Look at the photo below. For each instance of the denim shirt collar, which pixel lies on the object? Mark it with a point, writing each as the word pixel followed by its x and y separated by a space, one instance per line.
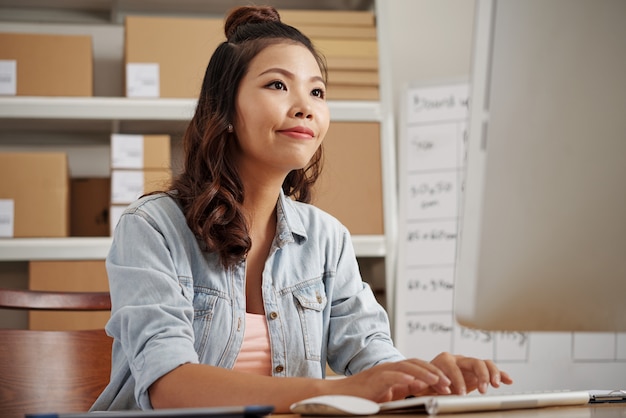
pixel 289 224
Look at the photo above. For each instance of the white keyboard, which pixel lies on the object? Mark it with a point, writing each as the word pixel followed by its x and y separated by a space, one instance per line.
pixel 434 405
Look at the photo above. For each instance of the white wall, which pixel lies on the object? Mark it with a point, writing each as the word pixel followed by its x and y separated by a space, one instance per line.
pixel 429 40
pixel 419 41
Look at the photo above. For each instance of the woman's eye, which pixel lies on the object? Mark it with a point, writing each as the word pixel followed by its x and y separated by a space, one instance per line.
pixel 319 93
pixel 278 85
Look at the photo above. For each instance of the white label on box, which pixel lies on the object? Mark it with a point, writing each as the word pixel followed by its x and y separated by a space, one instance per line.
pixel 7 218
pixel 8 77
pixel 126 151
pixel 126 186
pixel 142 80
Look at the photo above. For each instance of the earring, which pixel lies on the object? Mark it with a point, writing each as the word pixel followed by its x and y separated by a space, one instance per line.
pixel 230 128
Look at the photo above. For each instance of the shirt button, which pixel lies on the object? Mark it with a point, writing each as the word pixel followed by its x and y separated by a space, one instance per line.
pixel 273 315
pixel 279 369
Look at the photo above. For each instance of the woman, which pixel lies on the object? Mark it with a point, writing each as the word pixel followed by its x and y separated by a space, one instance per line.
pixel 230 289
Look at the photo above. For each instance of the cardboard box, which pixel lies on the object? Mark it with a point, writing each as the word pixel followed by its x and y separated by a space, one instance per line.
pixel 345 18
pixel 348 41
pixel 352 63
pixel 140 151
pixel 318 30
pixel 354 78
pixel 38 186
pixel 89 210
pixel 357 48
pixel 344 92
pixel 167 56
pixel 70 276
pixel 350 187
pixel 47 65
pixel 128 185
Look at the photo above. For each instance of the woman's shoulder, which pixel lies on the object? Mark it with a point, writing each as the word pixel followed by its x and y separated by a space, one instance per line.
pixel 157 207
pixel 155 202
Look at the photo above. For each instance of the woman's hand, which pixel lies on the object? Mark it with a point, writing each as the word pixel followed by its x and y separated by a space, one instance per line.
pixel 467 374
pixel 391 381
pixel 446 374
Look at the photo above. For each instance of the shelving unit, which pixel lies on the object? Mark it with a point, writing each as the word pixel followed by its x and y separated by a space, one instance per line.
pixel 115 111
pixel 96 248
pixel 42 121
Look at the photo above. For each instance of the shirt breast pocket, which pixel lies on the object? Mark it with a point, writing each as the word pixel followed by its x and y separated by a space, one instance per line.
pixel 310 302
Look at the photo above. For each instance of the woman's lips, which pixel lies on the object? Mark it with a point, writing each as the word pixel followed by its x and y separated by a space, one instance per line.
pixel 298 132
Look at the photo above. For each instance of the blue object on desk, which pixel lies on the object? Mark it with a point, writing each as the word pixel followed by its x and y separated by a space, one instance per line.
pixel 251 411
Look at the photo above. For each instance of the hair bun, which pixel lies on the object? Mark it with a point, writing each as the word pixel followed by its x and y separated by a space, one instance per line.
pixel 248 14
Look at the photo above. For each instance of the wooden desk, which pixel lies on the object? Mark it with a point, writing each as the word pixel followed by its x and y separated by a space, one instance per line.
pixel 607 410
pixel 586 411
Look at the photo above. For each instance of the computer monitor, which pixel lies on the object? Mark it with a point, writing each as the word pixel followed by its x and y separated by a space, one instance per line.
pixel 542 240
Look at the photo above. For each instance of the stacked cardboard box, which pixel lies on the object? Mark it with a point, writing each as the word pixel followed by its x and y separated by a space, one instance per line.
pixel 46 65
pixel 34 194
pixel 348 40
pixel 167 56
pixel 140 164
pixel 69 276
pixel 350 187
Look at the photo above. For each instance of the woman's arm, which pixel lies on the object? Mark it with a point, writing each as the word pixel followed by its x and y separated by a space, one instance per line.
pixel 198 385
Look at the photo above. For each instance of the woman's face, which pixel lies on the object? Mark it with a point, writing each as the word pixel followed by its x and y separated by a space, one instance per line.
pixel 281 111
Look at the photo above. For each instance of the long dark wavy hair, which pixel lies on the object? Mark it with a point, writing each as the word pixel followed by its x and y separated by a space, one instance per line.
pixel 209 189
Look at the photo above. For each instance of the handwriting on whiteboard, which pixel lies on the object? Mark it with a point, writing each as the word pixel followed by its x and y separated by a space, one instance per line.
pixel 431 182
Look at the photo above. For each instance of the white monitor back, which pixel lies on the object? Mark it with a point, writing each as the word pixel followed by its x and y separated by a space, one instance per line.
pixel 543 227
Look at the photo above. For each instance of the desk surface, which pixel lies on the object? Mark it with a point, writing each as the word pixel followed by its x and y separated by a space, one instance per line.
pixel 586 411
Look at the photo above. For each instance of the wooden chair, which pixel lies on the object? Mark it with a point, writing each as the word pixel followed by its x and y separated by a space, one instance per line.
pixel 52 371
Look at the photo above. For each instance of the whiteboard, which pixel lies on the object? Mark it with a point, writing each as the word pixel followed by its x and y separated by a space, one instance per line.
pixel 431 158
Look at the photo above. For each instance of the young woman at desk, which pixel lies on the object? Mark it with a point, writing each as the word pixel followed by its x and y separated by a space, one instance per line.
pixel 230 289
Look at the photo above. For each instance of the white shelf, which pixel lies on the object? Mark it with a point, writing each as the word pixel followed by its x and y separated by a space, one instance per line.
pixel 129 109
pixel 78 248
pixel 95 108
pixel 369 245
pixel 73 248
pixel 355 111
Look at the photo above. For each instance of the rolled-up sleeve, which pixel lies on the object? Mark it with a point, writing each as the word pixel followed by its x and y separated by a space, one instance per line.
pixel 151 316
pixel 359 335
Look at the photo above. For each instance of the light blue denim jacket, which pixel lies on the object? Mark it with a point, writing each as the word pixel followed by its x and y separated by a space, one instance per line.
pixel 174 303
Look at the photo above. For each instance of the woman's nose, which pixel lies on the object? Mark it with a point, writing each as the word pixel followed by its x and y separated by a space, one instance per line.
pixel 304 114
pixel 302 109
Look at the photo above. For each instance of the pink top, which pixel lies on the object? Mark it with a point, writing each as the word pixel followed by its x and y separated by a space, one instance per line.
pixel 255 356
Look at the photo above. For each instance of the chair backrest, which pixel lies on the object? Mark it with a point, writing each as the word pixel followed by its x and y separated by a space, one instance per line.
pixel 52 371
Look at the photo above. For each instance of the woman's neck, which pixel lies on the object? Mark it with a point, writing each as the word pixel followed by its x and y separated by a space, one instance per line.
pixel 261 191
